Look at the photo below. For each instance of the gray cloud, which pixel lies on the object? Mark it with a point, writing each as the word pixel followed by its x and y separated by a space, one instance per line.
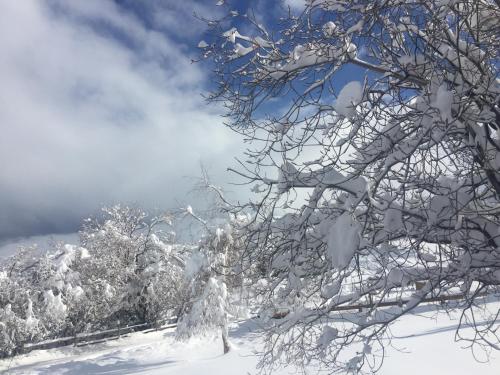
pixel 96 108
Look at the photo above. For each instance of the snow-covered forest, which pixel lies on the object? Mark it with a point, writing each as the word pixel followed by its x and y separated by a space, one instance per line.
pixel 372 178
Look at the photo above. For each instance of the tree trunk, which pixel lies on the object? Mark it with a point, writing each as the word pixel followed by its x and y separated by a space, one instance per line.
pixel 225 341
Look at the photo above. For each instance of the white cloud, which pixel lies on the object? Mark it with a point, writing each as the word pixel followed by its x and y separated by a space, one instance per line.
pixel 95 107
pixel 296 5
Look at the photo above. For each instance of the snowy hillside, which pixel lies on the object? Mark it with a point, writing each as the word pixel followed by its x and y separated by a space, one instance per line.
pixel 423 345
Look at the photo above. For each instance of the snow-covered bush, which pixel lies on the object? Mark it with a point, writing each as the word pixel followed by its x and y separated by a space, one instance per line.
pixel 375 160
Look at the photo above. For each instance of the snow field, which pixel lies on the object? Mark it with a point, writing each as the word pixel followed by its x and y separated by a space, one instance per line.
pixel 423 344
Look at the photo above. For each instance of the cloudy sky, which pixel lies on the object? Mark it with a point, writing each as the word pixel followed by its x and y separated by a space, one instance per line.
pixel 99 104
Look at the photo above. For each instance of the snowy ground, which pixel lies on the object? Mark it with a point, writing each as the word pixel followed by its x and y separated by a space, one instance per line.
pixel 425 346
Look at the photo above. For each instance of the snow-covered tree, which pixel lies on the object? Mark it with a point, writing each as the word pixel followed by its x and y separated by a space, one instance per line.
pixel 207 312
pixel 206 305
pixel 213 272
pixel 44 290
pixel 20 321
pixel 126 272
pixel 133 264
pixel 375 128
